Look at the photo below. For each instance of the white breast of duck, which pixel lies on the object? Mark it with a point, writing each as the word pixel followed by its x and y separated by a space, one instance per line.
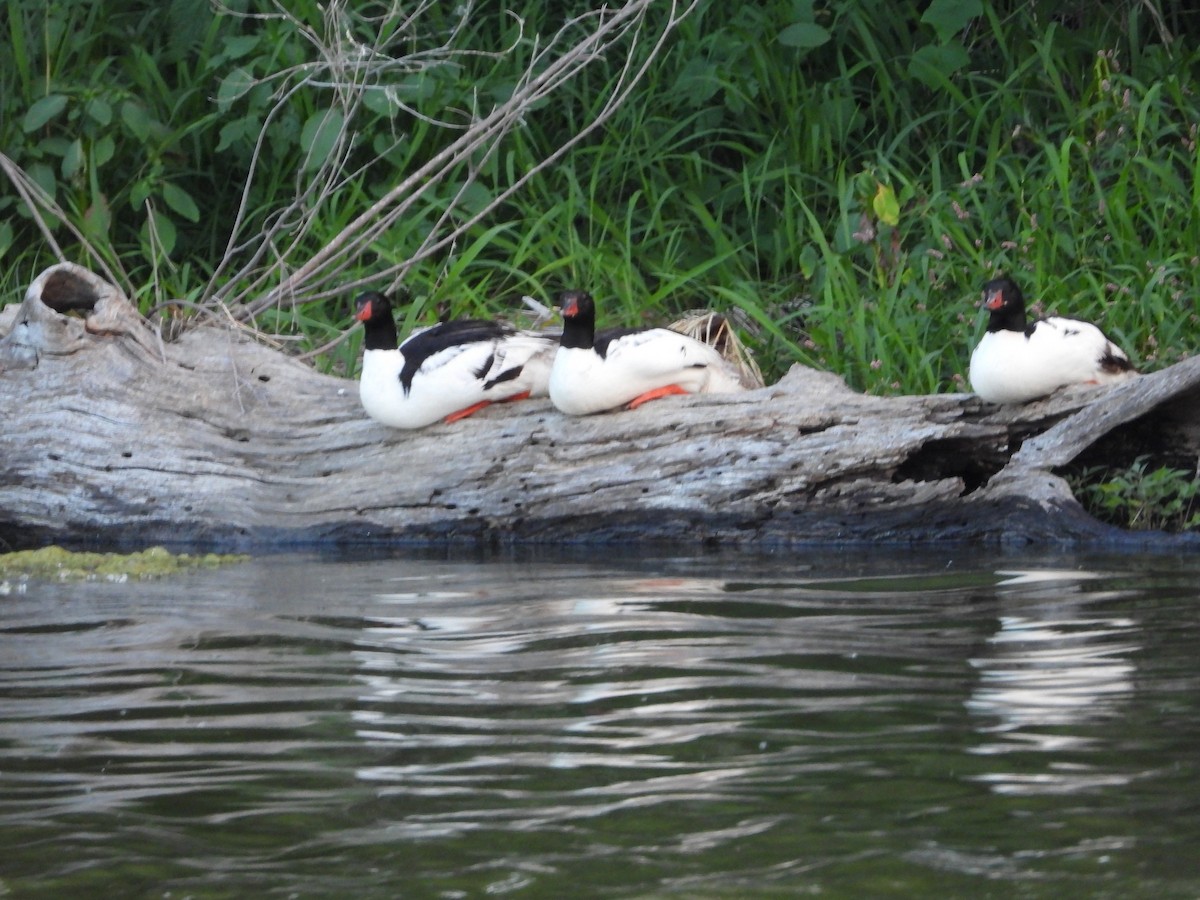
pixel 1016 362
pixel 619 367
pixel 447 371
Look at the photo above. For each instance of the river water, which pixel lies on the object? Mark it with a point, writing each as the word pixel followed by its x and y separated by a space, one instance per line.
pixel 607 724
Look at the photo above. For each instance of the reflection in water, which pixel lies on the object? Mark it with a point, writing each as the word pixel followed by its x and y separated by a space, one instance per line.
pixel 713 728
pixel 600 683
pixel 1049 674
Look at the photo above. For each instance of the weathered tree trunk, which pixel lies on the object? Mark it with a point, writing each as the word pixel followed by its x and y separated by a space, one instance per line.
pixel 112 435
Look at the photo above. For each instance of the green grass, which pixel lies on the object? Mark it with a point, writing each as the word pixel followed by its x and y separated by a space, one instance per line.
pixel 846 196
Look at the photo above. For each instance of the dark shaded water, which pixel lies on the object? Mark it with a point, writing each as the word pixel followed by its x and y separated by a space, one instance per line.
pixel 841 726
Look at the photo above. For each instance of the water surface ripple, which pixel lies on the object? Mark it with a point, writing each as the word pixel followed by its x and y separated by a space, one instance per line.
pixel 669 726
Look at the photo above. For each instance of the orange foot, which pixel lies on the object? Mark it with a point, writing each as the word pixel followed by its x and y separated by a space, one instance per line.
pixel 476 407
pixel 469 411
pixel 654 395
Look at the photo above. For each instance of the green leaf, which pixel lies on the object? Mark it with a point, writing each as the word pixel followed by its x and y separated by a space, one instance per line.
pixel 932 65
pixel 99 111
pixel 164 233
pixel 886 206
pixel 41 173
pixel 237 47
pixel 233 86
pixel 43 111
pixel 808 260
pixel 180 201
pixel 698 82
pixel 53 146
pixel 97 219
pixel 804 35
pixel 378 102
pixel 285 134
pixel 417 87
pixel 72 161
pixel 237 131
pixel 475 197
pixel 139 192
pixel 134 116
pixel 319 135
pixel 949 17
pixel 103 150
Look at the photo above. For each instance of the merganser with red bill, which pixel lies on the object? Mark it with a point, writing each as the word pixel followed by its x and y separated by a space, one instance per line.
pixel 1016 362
pixel 626 367
pixel 448 371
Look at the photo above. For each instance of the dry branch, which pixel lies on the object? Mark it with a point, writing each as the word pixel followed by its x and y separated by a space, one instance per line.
pixel 115 436
pixel 272 275
pixel 268 267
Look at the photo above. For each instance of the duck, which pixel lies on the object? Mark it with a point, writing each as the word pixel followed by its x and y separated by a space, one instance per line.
pixel 626 367
pixel 1016 362
pixel 448 371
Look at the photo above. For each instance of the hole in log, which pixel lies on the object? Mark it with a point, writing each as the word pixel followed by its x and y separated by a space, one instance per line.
pixel 1167 439
pixel 953 458
pixel 813 429
pixel 264 378
pixel 64 292
pixel 127 454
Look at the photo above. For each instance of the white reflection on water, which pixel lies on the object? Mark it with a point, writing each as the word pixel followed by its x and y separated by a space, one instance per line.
pixel 572 704
pixel 1047 675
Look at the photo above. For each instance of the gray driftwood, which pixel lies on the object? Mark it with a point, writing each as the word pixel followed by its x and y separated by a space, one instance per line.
pixel 113 435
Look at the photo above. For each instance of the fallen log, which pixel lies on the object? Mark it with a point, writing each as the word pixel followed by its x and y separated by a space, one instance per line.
pixel 116 436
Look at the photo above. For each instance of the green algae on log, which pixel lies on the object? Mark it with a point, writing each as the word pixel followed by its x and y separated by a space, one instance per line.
pixel 57 564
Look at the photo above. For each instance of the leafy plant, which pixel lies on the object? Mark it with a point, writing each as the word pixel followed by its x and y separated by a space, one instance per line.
pixel 840 176
pixel 1144 496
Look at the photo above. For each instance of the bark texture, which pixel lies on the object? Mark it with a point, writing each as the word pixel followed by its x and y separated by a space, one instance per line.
pixel 114 435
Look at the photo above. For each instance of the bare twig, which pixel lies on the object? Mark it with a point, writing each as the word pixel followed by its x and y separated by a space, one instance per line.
pixel 38 201
pixel 268 272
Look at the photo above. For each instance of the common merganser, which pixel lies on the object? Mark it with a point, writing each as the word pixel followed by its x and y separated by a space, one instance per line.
pixel 628 366
pixel 447 371
pixel 1015 362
